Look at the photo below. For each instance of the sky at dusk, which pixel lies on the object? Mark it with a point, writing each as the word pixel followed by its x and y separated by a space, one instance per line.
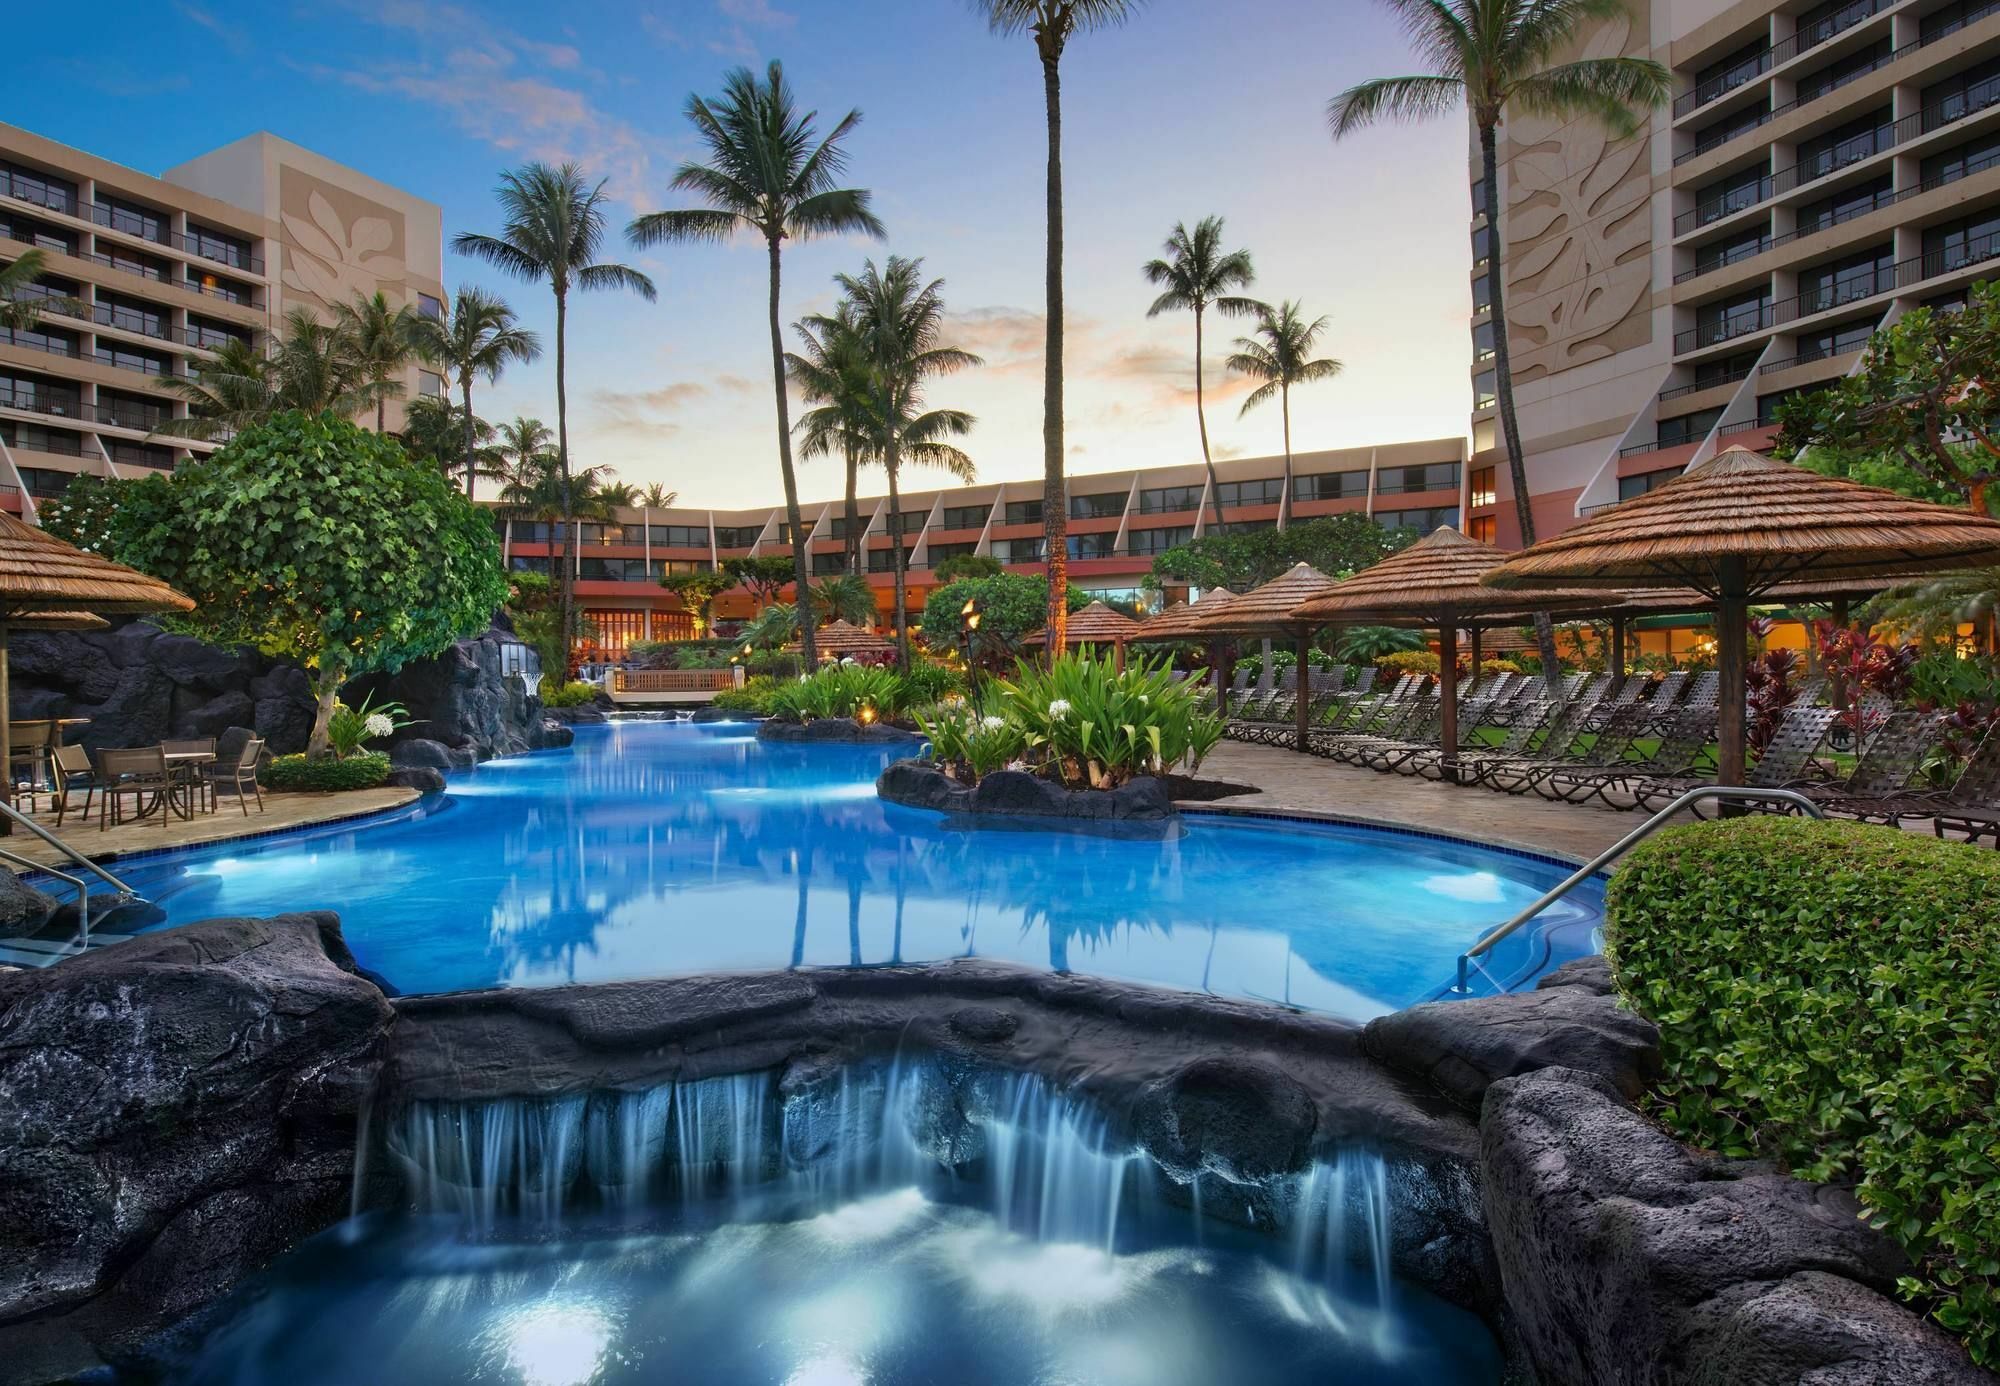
pixel 1195 108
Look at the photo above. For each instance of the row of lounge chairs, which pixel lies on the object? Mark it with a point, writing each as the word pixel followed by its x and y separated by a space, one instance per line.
pixel 1630 744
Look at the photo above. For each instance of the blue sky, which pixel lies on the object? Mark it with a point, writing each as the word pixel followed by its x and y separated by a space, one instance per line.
pixel 1194 108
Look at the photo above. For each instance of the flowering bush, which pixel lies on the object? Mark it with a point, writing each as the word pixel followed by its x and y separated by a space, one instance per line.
pixel 840 690
pixel 351 728
pixel 971 745
pixel 1768 691
pixel 1863 663
pixel 1409 662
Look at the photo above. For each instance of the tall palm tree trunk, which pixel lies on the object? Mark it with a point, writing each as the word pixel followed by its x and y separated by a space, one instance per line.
pixel 1201 418
pixel 808 651
pixel 1503 389
pixel 1285 408
pixel 471 471
pixel 890 463
pixel 853 513
pixel 381 412
pixel 565 586
pixel 1055 508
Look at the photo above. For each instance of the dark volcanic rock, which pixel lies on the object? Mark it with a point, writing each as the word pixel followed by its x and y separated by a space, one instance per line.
pixel 721 714
pixel 1015 793
pixel 23 909
pixel 174 1111
pixel 423 753
pixel 1462 1046
pixel 462 700
pixel 833 729
pixel 1244 1120
pixel 422 778
pixel 1627 1259
pixel 582 714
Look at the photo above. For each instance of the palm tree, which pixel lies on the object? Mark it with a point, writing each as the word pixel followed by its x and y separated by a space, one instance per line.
pixel 1494 55
pixel 20 311
pixel 435 430
pixel 899 321
pixel 1051 23
pixel 538 487
pixel 658 497
pixel 1198 274
pixel 845 598
pixel 830 374
pixel 311 367
pixel 552 232
pixel 767 173
pixel 622 495
pixel 1281 355
pixel 383 339
pixel 478 339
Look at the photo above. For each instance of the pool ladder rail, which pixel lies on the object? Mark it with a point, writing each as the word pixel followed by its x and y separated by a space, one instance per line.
pixel 1789 797
pixel 126 895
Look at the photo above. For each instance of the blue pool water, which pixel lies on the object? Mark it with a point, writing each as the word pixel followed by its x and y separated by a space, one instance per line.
pixel 651 849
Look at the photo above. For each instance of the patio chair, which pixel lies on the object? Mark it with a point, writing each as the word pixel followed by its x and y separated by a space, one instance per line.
pixel 187 776
pixel 70 769
pixel 27 761
pixel 239 776
pixel 140 773
pixel 1366 725
pixel 1877 791
pixel 1530 725
pixel 1560 746
pixel 1783 764
pixel 1416 734
pixel 1705 691
pixel 1631 689
pixel 1668 691
pixel 1972 804
pixel 1576 781
pixel 1683 748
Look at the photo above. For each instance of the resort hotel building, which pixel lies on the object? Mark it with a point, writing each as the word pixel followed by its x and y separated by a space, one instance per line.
pixel 1821 170
pixel 161 272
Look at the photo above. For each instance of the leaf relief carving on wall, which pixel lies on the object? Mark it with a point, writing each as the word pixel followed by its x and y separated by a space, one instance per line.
pixel 333 261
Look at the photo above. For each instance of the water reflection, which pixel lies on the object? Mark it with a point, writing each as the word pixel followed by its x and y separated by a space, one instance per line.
pixel 651 849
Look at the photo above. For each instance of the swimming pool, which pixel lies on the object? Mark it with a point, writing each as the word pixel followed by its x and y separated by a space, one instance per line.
pixel 651 849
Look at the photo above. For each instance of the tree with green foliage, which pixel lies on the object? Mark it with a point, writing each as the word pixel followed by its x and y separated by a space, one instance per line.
pixel 1337 545
pixel 698 591
pixel 832 377
pixel 435 430
pixel 310 539
pixel 847 597
pixel 1280 353
pixel 1196 274
pixel 478 339
pixel 1366 644
pixel 1496 57
pixel 1011 605
pixel 765 576
pixel 1921 415
pixel 967 565
pixel 383 338
pixel 23 300
pixel 309 366
pixel 768 173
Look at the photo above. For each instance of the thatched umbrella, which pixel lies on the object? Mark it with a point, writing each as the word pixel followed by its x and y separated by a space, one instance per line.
pixel 1096 624
pixel 1267 610
pixel 42 579
pixel 1436 580
pixel 1182 623
pixel 843 637
pixel 1740 525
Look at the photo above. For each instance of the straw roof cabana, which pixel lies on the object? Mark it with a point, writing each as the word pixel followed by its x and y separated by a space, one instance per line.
pixel 43 579
pixel 1267 610
pixel 1182 622
pixel 1740 525
pixel 839 638
pixel 1096 624
pixel 1436 580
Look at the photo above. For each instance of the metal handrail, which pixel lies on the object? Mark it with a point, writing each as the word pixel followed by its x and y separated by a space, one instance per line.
pixel 1620 848
pixel 127 895
pixel 82 890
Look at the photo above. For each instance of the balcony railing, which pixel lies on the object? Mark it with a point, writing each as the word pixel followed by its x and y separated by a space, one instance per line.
pixel 139 418
pixel 13 337
pixel 40 402
pixel 222 254
pixel 37 197
pixel 130 223
pixel 1803 40
pixel 1682 391
pixel 1723 329
pixel 1722 84
pixel 1729 257
pixel 140 364
pixel 1805 358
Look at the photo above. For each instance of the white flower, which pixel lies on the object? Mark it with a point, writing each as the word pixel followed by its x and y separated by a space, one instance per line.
pixel 378 724
pixel 1058 708
pixel 993 723
pixel 1144 699
pixel 848 660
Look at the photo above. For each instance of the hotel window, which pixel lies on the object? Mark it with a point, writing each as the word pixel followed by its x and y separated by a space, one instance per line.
pixel 214 336
pixel 884 560
pixel 131 358
pixel 785 531
pixel 228 290
pixel 130 315
pixel 596 534
pixel 1482 341
pixel 1630 486
pixel 1103 506
pixel 529 563
pixel 1481 486
pixel 1732 125
pixel 1834 341
pixel 1019 550
pixel 430 384
pixel 611 570
pixel 1974 156
pixel 680 536
pixel 1733 69
pixel 1422 521
pixel 1485 435
pixel 1167 499
pixel 44 482
pixel 1688 428
pixel 1267 491
pixel 965 516
pixel 531 531
pixel 220 247
pixel 1732 317
pixel 1730 249
pixel 1844 280
pixel 1145 542
pixel 1485 387
pixel 1434 476
pixel 53 340
pixel 39 396
pixel 825 563
pixel 429 307
pixel 1951 18
pixel 1242 527
pixel 1484 528
pixel 1478 198
pixel 1482 243
pixel 35 438
pixel 1732 193
pixel 1769 405
pixel 1482 294
pixel 1326 486
pixel 938 553
pixel 1845 205
pixel 131 219
pixel 117 257
pixel 129 454
pixel 1842 71
pixel 42 189
pixel 1723 371
pixel 1024 512
pixel 1091 545
pixel 663 567
pixel 1137 597
pixel 737 536
pixel 1961 243
pixel 1961 94
pixel 837 527
pixel 616 630
pixel 911 520
pixel 28 231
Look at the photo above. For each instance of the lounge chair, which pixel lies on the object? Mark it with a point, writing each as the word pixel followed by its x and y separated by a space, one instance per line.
pixel 1783 764
pixel 1878 790
pixel 1516 774
pixel 1681 753
pixel 1577 780
pixel 1972 804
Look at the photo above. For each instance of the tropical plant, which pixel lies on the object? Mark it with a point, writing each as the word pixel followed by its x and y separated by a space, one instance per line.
pixel 844 598
pixel 308 538
pixel 1089 724
pixel 926 683
pixel 435 430
pixel 303 774
pixel 351 728
pixel 1337 545
pixel 969 744
pixel 861 691
pixel 1368 644
pixel 765 577
pixel 537 490
pixel 766 173
pixel 1769 690
pixel 618 495
pixel 832 377
pixel 1826 995
pixel 1196 274
pixel 698 591
pixel 552 232
pixel 311 367
pixel 777 624
pixel 573 693
pixel 383 339
pixel 966 565
pixel 1400 662
pixel 657 497
pixel 1933 608
pixel 1051 24
pixel 1859 662
pixel 1495 56
pixel 478 339
pixel 1010 605
pixel 22 301
pixel 1279 352
pixel 753 697
pixel 898 322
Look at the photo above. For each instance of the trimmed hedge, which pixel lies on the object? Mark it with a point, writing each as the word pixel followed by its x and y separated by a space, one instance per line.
pixel 1828 994
pixel 575 693
pixel 366 771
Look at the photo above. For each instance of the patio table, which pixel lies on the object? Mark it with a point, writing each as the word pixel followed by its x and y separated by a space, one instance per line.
pixel 183 772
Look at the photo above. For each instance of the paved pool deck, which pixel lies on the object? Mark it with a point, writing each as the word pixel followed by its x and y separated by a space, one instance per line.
pixel 281 811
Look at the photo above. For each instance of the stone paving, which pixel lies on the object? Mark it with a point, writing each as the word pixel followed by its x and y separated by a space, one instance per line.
pixel 281 810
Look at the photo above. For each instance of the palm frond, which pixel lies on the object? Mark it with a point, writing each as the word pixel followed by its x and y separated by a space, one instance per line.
pixel 617 277
pixel 1393 98
pixel 1617 91
pixel 504 256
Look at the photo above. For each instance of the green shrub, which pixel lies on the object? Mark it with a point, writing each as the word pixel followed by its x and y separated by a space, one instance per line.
pixel 839 690
pixel 575 693
pixel 1409 662
pixel 753 697
pixel 970 744
pixel 926 682
pixel 365 771
pixel 1828 995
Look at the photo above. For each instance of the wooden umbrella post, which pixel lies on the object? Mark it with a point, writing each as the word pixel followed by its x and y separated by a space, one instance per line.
pixel 1617 666
pixel 1837 681
pixel 1302 705
pixel 6 733
pixel 1731 639
pixel 1448 695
